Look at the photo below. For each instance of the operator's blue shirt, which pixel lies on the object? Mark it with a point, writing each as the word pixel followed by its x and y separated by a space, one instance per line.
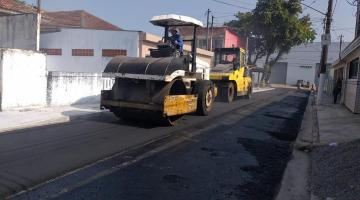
pixel 178 42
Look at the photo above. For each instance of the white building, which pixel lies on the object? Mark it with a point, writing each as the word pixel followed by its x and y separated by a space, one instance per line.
pixel 301 63
pixel 85 50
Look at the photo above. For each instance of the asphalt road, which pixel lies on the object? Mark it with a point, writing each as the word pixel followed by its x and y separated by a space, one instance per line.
pixel 238 152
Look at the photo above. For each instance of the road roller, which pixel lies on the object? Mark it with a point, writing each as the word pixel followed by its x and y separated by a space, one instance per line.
pixel 163 86
pixel 230 74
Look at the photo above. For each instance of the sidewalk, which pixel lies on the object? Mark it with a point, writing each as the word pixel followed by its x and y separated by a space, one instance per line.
pixel 335 168
pixel 256 89
pixel 325 164
pixel 14 120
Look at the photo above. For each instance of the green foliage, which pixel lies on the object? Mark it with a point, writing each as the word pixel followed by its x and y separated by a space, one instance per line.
pixel 274 27
pixel 20 1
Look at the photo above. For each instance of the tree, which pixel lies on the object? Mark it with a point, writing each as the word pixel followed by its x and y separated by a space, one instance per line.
pixel 274 27
pixel 20 1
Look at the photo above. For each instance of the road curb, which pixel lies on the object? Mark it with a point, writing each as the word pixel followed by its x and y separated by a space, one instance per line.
pixel 296 178
pixel 263 90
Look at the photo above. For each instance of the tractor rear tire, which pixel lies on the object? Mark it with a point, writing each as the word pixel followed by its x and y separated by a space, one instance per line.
pixel 122 113
pixel 206 97
pixel 249 93
pixel 228 93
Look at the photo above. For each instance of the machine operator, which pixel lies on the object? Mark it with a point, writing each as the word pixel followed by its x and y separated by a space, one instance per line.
pixel 177 41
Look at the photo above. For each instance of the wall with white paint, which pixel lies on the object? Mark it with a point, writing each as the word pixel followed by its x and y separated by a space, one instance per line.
pixel 68 39
pixel 22 79
pixel 18 31
pixel 351 93
pixel 66 88
pixel 302 61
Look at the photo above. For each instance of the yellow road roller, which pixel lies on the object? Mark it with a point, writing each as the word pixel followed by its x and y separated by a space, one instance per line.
pixel 163 86
pixel 230 74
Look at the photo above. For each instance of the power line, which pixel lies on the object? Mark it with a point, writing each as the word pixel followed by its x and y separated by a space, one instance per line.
pixel 334 8
pixel 312 3
pixel 312 8
pixel 353 3
pixel 225 16
pixel 230 4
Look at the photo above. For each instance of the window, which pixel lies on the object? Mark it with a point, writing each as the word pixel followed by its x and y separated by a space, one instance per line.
pixel 218 43
pixel 201 43
pixel 242 59
pixel 226 57
pixel 353 69
pixel 83 52
pixel 113 52
pixel 52 52
pixel 306 67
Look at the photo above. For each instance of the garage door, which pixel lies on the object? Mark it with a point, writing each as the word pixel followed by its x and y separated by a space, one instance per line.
pixel 279 73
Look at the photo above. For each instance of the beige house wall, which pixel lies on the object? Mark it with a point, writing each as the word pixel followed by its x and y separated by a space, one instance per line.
pixel 351 87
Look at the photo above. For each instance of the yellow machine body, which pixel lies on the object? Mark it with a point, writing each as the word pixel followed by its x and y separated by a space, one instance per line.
pixel 234 71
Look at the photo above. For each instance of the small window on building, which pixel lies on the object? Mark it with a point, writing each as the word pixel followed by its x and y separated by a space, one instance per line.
pixel 218 43
pixel 201 43
pixel 353 69
pixel 113 52
pixel 51 52
pixel 306 67
pixel 83 52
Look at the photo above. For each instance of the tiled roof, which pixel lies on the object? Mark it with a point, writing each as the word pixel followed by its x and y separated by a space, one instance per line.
pixel 76 19
pixel 69 19
pixel 14 6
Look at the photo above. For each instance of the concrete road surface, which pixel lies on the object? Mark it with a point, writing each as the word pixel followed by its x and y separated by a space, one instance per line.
pixel 238 152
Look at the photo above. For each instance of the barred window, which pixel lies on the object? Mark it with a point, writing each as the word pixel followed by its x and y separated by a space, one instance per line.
pixel 353 69
pixel 83 52
pixel 51 52
pixel 113 52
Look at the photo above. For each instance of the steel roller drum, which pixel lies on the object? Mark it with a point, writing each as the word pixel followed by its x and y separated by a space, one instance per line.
pixel 147 66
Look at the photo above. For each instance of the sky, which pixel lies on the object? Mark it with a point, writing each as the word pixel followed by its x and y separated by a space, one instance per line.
pixel 135 14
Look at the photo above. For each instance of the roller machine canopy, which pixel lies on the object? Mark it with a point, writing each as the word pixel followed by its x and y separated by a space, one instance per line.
pixel 175 20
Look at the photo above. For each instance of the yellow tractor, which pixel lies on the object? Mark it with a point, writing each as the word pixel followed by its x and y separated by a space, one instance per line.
pixel 230 74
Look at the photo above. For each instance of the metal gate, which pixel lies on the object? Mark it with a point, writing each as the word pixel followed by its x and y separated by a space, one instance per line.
pixel 279 73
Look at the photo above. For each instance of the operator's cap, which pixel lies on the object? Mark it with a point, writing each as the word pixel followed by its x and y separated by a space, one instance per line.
pixel 174 29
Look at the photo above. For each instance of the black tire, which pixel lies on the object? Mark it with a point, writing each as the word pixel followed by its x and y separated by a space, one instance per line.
pixel 136 116
pixel 122 113
pixel 249 93
pixel 205 92
pixel 228 92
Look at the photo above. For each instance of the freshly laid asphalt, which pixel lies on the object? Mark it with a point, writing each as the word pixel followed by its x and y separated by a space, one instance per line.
pixel 238 152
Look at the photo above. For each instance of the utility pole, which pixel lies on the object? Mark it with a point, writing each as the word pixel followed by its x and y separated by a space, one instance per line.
pixel 324 53
pixel 341 42
pixel 212 32
pixel 357 29
pixel 38 25
pixel 207 28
